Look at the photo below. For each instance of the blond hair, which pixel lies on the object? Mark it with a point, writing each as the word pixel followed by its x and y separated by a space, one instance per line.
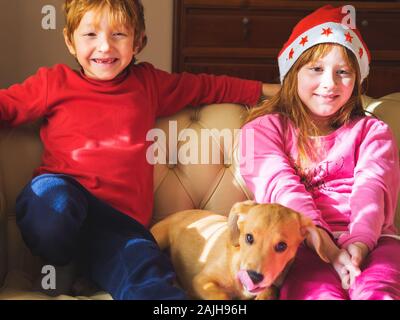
pixel 129 13
pixel 288 103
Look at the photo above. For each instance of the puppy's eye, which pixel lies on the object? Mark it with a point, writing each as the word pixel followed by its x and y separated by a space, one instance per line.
pixel 249 238
pixel 281 246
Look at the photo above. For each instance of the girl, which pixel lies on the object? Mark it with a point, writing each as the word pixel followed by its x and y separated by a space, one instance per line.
pixel 316 152
pixel 92 195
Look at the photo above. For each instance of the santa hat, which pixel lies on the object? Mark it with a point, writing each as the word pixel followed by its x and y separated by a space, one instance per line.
pixel 325 25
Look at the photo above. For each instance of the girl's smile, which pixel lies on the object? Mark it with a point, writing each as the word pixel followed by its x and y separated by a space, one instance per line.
pixel 325 85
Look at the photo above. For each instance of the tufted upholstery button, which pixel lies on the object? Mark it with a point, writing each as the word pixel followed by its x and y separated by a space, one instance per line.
pixel 195 116
pixel 171 165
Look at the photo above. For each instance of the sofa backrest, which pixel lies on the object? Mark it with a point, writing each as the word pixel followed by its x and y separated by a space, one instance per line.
pixel 177 186
pixel 211 184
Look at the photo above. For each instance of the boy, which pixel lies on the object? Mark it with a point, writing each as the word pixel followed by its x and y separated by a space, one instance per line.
pixel 92 194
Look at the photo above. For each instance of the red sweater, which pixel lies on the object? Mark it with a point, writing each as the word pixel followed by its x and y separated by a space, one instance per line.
pixel 95 131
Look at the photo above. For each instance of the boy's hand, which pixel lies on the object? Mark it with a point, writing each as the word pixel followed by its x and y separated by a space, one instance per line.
pixel 358 251
pixel 269 90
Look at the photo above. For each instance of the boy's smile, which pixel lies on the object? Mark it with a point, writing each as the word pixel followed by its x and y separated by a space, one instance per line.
pixel 102 49
pixel 105 61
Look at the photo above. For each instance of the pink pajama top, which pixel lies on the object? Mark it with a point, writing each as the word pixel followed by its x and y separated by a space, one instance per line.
pixel 352 189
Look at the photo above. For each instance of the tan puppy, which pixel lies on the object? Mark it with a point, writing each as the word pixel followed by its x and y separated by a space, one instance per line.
pixel 240 257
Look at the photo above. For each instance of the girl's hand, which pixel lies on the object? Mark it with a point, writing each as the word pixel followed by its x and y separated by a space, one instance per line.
pixel 347 271
pixel 339 258
pixel 358 251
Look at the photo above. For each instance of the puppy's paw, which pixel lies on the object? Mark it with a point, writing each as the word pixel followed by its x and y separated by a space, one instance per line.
pixel 270 293
pixel 207 289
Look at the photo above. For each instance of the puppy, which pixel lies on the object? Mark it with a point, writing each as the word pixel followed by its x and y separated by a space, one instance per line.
pixel 243 256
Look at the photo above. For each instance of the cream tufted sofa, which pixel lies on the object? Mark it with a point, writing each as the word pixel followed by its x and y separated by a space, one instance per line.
pixel 214 187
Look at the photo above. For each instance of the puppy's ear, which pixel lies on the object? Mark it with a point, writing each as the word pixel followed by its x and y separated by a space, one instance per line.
pixel 236 216
pixel 310 232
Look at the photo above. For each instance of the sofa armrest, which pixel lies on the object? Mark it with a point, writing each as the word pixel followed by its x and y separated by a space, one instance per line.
pixel 3 221
pixel 20 150
pixel 387 109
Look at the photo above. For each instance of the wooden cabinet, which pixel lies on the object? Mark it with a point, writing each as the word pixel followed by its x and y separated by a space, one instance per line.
pixel 243 37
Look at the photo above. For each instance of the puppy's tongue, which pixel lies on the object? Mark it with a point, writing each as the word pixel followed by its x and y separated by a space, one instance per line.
pixel 245 280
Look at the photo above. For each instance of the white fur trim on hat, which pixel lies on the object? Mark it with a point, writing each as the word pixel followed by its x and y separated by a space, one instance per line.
pixel 330 32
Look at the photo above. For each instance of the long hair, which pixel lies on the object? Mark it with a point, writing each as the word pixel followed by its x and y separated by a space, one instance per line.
pixel 288 103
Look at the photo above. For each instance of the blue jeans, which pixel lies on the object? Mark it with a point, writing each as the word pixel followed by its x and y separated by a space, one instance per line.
pixel 60 221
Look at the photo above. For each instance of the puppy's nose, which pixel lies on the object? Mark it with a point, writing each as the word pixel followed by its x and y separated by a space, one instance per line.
pixel 255 276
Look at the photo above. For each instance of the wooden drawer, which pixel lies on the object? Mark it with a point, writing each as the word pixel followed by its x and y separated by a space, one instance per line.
pixel 384 78
pixel 241 29
pixel 270 28
pixel 381 31
pixel 243 37
pixel 266 72
pixel 237 64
